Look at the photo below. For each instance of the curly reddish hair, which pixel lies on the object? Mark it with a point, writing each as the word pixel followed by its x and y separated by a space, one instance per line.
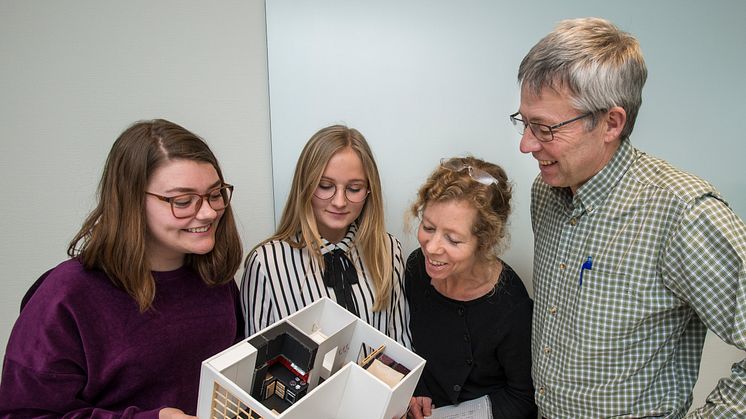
pixel 492 201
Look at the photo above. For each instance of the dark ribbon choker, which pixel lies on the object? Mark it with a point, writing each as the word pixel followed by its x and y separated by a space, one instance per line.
pixel 340 274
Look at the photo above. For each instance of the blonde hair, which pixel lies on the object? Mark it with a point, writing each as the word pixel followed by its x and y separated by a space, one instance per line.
pixel 298 220
pixel 113 236
pixel 492 202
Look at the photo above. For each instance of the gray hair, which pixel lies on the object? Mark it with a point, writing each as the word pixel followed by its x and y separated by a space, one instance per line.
pixel 601 66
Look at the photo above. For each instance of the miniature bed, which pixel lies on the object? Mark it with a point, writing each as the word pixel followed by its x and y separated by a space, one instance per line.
pixel 320 362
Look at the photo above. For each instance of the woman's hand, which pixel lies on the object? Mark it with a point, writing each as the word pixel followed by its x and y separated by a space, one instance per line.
pixel 420 407
pixel 172 413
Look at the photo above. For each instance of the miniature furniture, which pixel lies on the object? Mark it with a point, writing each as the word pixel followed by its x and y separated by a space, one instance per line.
pixel 320 362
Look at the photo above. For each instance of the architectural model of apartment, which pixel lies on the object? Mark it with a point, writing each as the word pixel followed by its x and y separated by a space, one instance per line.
pixel 320 362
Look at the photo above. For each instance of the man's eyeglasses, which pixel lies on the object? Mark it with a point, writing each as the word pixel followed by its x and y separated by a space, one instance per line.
pixel 457 164
pixel 542 132
pixel 354 193
pixel 188 204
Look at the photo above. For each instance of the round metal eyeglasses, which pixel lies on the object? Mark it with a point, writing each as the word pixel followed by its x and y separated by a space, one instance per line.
pixel 354 193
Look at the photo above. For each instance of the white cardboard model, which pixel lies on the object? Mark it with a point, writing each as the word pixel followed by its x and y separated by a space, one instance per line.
pixel 337 386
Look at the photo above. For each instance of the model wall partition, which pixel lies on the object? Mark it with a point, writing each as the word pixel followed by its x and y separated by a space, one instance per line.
pixel 320 362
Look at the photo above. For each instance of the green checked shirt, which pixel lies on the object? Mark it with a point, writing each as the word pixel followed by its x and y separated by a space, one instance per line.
pixel 667 261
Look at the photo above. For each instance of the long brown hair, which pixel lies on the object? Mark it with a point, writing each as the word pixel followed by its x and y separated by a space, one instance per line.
pixel 113 236
pixel 298 219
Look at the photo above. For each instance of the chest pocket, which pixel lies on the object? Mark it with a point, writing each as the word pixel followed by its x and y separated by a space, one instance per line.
pixel 616 310
pixel 607 310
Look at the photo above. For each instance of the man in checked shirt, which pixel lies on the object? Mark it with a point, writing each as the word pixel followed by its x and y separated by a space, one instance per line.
pixel 634 260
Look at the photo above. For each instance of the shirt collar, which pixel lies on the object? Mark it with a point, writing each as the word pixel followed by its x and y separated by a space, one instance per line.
pixel 345 244
pixel 594 192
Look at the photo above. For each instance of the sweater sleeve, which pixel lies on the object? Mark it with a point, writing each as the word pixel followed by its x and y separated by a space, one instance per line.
pixel 82 348
pixel 26 393
pixel 516 398
pixel 44 370
pixel 412 274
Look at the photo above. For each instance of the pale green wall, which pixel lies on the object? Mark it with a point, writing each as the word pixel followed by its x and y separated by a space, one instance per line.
pixel 424 79
pixel 75 74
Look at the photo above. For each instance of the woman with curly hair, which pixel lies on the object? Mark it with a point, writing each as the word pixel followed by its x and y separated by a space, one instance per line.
pixel 470 312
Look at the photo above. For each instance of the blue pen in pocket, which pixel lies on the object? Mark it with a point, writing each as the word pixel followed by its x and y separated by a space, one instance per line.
pixel 588 264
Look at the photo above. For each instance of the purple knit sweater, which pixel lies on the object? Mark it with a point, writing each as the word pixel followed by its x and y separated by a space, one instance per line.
pixel 81 347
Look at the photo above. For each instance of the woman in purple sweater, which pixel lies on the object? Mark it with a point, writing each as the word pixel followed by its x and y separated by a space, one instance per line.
pixel 121 328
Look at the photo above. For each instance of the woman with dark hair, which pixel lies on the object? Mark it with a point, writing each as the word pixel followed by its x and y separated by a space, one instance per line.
pixel 470 312
pixel 121 328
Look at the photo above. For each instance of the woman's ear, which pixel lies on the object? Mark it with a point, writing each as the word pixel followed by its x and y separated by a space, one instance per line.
pixel 614 119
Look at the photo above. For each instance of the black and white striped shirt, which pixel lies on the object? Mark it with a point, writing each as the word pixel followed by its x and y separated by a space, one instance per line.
pixel 280 280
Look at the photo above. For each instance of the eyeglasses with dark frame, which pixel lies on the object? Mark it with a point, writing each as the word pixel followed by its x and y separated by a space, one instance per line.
pixel 542 132
pixel 457 164
pixel 188 204
pixel 354 193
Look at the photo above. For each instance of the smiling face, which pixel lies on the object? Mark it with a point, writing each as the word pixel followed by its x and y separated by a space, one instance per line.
pixel 446 238
pixel 576 154
pixel 335 215
pixel 168 238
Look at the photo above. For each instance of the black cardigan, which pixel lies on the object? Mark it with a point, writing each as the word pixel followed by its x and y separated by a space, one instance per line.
pixel 473 348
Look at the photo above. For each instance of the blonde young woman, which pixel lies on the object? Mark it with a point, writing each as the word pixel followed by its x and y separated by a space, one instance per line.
pixel 331 242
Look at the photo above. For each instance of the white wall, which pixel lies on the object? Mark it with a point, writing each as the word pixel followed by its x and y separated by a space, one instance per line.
pixel 74 74
pixel 425 79
pixel 422 79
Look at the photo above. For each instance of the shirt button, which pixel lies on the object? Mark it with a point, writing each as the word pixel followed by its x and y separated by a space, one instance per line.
pixel 541 391
pixel 468 361
pixel 466 337
pixel 460 311
pixel 562 266
pixel 457 388
pixel 547 350
pixel 573 221
pixel 553 310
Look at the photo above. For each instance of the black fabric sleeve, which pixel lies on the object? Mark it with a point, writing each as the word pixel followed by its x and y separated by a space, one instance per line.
pixel 516 399
pixel 412 273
